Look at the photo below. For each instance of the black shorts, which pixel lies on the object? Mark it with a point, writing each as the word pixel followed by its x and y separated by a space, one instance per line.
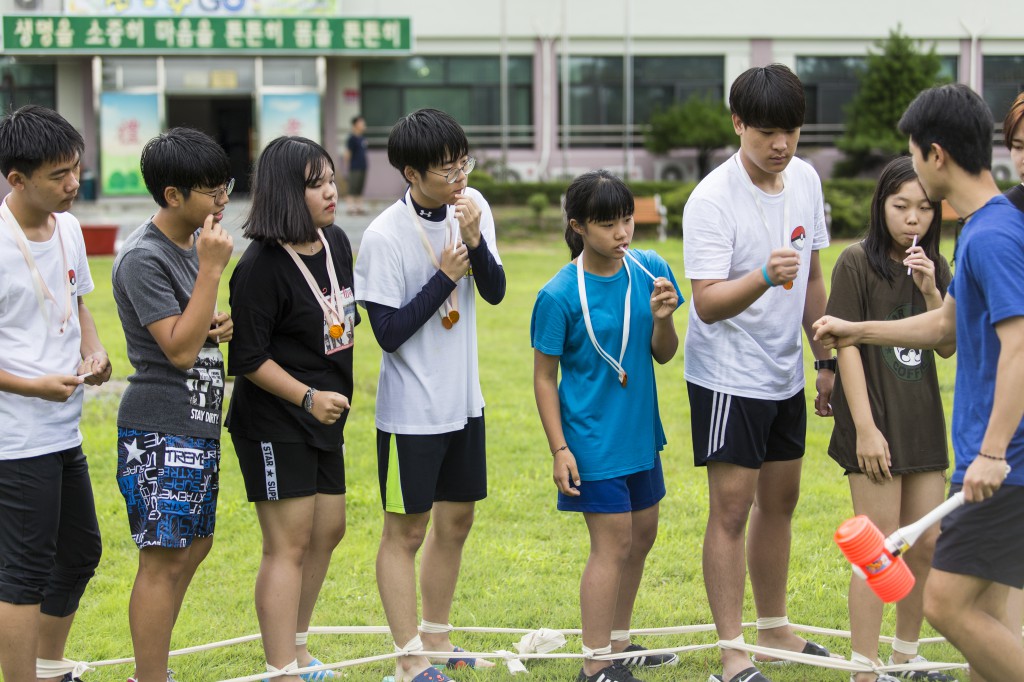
pixel 277 471
pixel 356 181
pixel 422 469
pixel 745 431
pixel 49 537
pixel 984 539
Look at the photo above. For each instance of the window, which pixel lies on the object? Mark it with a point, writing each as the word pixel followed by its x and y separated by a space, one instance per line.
pixel 468 88
pixel 660 82
pixel 829 85
pixel 597 87
pixel 24 83
pixel 1003 80
pixel 130 72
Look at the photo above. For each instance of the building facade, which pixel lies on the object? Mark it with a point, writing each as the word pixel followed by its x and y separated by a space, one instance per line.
pixel 544 88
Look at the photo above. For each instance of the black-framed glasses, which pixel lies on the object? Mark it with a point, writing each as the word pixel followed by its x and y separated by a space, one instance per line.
pixel 452 176
pixel 216 194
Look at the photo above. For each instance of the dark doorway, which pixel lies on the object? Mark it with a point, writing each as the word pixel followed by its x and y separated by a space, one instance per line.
pixel 227 120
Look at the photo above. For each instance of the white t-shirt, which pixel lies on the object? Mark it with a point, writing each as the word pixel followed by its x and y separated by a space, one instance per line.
pixel 431 383
pixel 30 345
pixel 758 353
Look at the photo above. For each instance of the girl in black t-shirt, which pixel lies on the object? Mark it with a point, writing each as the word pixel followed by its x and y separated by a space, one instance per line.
pixel 291 296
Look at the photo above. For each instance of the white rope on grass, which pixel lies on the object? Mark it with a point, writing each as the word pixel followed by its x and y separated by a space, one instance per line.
pixel 536 644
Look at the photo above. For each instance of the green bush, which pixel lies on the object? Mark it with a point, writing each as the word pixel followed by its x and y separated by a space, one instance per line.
pixel 850 202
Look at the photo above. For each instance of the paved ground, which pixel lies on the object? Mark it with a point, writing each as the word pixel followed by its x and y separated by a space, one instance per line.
pixel 128 214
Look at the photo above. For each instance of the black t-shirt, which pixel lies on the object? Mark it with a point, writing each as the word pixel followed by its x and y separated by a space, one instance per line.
pixel 277 318
pixel 1016 196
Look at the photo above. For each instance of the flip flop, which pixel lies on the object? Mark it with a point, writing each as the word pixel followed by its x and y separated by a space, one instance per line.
pixel 319 675
pixel 457 663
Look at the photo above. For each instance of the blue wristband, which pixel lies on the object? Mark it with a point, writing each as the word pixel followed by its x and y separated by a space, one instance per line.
pixel 764 273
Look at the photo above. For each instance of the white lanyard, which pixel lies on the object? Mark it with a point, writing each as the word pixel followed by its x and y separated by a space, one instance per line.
pixel 42 291
pixel 451 236
pixel 581 283
pixel 336 323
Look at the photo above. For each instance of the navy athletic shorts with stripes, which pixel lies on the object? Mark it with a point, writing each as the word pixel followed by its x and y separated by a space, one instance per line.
pixel 745 431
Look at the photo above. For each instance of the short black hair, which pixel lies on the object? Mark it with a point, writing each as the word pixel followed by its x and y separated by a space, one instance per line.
pixel 34 135
pixel 594 197
pixel 357 118
pixel 768 97
pixel 957 119
pixel 183 158
pixel 286 167
pixel 425 138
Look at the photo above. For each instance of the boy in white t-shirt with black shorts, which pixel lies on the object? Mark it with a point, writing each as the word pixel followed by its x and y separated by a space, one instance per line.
pixel 752 230
pixel 420 265
pixel 49 536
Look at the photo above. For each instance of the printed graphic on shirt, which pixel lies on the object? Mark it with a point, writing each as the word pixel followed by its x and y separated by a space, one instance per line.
pixel 348 305
pixel 205 382
pixel 73 280
pixel 169 484
pixel 798 238
pixel 909 364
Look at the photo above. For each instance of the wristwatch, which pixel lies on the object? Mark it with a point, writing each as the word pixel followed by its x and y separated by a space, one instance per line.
pixel 307 402
pixel 831 364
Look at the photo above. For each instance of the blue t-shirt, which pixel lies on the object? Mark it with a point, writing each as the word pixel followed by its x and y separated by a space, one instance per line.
pixel 357 148
pixel 988 287
pixel 612 431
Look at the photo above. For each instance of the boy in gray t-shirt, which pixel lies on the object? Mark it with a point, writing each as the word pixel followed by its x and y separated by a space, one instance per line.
pixel 168 426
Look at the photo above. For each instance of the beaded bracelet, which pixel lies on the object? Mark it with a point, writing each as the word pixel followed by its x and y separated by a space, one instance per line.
pixel 998 459
pixel 555 452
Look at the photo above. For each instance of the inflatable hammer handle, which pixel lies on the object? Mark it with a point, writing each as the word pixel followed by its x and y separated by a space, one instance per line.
pixel 903 538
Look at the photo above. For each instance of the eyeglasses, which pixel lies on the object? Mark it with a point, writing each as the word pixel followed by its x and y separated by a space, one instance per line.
pixel 217 193
pixel 452 176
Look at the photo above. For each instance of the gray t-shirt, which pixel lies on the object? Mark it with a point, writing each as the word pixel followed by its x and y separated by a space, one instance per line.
pixel 153 280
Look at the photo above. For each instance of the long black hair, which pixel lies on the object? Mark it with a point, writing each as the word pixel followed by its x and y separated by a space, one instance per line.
pixel 594 197
pixel 286 167
pixel 878 243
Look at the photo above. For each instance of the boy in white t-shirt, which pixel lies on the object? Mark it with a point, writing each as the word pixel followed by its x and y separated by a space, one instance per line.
pixel 49 537
pixel 420 265
pixel 751 231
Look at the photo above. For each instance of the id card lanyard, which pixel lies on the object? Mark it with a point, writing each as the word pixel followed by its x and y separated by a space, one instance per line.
pixel 605 355
pixel 42 291
pixel 449 312
pixel 335 320
pixel 764 216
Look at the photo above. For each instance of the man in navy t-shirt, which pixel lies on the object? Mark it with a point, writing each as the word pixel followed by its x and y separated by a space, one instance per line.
pixel 980 553
pixel 355 157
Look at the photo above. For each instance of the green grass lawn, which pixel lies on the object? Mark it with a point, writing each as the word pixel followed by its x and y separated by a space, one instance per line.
pixel 523 560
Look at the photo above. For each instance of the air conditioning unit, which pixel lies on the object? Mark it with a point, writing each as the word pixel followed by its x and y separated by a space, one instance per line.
pixel 679 170
pixel 1003 168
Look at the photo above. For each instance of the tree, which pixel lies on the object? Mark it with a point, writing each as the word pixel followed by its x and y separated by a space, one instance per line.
pixel 701 122
pixel 893 76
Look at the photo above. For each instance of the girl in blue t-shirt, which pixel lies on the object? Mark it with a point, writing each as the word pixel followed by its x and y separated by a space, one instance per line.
pixel 603 318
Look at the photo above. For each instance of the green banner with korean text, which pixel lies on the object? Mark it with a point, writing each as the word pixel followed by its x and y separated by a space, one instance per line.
pixel 205 35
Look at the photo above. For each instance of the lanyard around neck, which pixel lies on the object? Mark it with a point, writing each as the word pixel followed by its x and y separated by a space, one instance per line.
pixel 450 314
pixel 582 284
pixel 336 323
pixel 42 291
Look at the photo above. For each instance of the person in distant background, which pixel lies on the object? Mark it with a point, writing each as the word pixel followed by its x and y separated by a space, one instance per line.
pixel 355 157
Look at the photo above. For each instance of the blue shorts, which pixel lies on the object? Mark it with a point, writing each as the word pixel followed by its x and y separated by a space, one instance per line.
pixel 628 493
pixel 169 484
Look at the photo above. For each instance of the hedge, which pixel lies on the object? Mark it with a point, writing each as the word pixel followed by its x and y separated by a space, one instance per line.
pixel 849 199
